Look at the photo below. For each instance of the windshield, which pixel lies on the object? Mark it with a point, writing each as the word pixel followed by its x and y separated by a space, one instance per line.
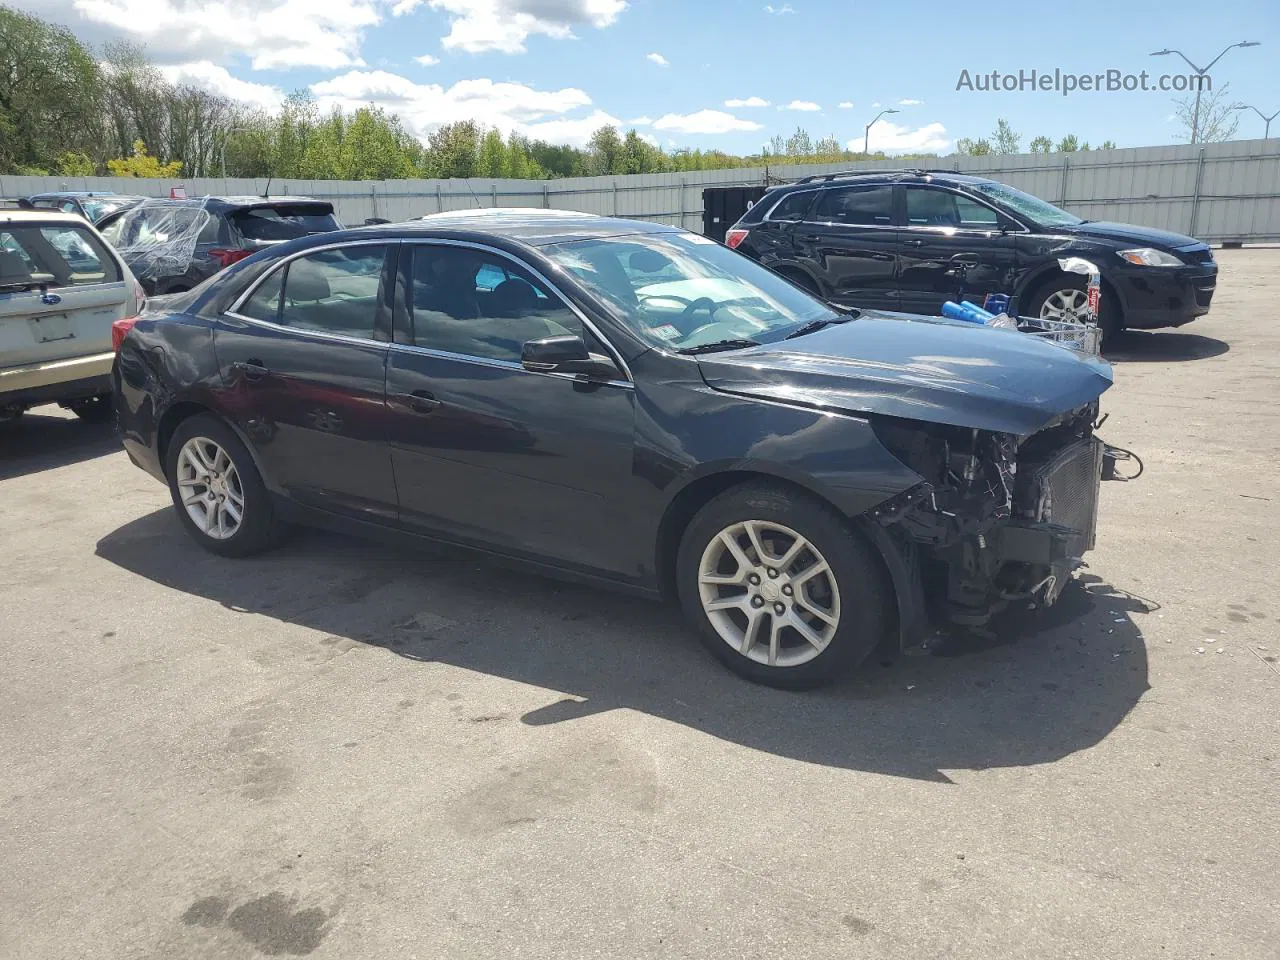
pixel 682 290
pixel 97 209
pixel 55 255
pixel 1033 208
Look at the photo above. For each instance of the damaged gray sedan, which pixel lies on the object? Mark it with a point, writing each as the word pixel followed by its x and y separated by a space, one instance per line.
pixel 628 404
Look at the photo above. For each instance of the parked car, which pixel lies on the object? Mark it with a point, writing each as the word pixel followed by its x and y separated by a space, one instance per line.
pixel 910 240
pixel 61 289
pixel 631 404
pixel 174 245
pixel 90 204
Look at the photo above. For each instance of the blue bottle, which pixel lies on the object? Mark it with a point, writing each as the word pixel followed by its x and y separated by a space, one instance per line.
pixel 968 312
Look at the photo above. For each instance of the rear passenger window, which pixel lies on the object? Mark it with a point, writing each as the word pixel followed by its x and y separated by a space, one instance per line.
pixel 861 206
pixel 333 291
pixel 792 207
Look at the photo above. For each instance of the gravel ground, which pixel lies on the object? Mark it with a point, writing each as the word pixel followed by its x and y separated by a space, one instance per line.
pixel 345 750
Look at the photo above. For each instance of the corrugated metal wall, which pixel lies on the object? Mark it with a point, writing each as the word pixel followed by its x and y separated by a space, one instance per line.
pixel 1218 192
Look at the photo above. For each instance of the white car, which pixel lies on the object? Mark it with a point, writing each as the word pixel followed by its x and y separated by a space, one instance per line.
pixel 61 288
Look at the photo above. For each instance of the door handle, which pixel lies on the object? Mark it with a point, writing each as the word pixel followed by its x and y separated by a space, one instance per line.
pixel 421 401
pixel 913 243
pixel 968 259
pixel 251 369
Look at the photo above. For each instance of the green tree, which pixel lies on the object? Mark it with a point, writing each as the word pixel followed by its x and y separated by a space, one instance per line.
pixel 142 164
pixel 605 151
pixel 799 144
pixel 973 148
pixel 75 164
pixel 1004 139
pixel 453 150
pixel 1041 144
pixel 492 159
pixel 49 93
pixel 1107 145
pixel 1069 144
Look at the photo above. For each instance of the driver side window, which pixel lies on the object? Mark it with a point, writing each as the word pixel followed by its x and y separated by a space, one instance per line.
pixel 477 304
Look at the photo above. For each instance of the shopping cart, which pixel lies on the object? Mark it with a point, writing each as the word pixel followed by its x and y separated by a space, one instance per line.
pixel 1084 338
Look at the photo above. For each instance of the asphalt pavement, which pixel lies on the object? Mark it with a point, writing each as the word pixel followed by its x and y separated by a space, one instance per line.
pixel 342 749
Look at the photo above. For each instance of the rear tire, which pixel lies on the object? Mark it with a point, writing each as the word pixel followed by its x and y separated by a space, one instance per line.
pixel 800 602
pixel 217 490
pixel 99 409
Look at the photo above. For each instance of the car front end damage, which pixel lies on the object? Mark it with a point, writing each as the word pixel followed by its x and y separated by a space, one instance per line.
pixel 998 519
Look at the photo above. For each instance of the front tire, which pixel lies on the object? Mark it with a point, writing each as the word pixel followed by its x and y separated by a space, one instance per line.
pixel 217 490
pixel 781 589
pixel 1065 299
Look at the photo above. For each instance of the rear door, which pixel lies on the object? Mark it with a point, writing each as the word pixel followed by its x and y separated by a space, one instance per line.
pixel 848 240
pixel 84 291
pixel 303 359
pixel 953 248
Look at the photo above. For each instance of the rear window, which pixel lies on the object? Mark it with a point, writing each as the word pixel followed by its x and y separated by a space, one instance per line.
pixel 57 255
pixel 284 223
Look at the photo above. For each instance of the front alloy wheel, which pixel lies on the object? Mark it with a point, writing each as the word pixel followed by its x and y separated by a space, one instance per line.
pixel 1066 306
pixel 209 486
pixel 769 593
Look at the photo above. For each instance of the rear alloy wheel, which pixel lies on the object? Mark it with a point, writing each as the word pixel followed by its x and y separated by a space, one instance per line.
pixel 97 409
pixel 783 591
pixel 216 489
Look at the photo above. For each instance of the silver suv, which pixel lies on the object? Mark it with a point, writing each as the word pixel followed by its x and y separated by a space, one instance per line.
pixel 61 288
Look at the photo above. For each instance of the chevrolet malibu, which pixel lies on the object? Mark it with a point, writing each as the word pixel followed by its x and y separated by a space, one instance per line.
pixel 632 405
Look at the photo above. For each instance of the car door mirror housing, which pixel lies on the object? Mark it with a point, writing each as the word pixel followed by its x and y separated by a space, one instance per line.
pixel 566 354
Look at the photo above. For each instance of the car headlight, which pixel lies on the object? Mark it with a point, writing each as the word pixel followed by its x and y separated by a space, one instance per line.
pixel 1147 257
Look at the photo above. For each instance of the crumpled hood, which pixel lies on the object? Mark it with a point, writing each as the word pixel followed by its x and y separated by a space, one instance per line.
pixel 1131 233
pixel 919 368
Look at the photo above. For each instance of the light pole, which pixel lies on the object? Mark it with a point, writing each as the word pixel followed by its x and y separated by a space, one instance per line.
pixel 1200 72
pixel 866 134
pixel 1267 131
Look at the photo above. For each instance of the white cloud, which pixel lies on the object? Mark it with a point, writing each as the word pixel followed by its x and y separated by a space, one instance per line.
pixel 405 6
pixel 649 139
pixel 640 122
pixel 888 137
pixel 427 60
pixel 846 104
pixel 576 131
pixel 910 103
pixel 508 106
pixel 210 76
pixel 274 34
pixel 657 58
pixel 704 121
pixel 778 11
pixel 807 106
pixel 876 105
pixel 749 102
pixel 504 25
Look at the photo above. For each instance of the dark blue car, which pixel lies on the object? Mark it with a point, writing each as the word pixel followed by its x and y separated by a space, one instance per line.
pixel 628 404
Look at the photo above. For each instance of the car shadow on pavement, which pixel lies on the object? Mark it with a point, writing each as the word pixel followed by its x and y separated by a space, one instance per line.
pixel 1032 690
pixel 1140 346
pixel 39 442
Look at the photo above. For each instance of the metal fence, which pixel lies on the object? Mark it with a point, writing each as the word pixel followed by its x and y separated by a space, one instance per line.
pixel 1217 192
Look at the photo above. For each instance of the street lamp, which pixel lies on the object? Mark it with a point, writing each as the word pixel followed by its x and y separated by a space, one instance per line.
pixel 1200 72
pixel 866 134
pixel 1267 132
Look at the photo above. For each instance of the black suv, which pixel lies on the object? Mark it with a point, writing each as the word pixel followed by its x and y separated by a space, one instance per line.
pixel 910 240
pixel 174 245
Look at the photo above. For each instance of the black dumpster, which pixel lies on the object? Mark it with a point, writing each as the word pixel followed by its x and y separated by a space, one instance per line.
pixel 722 206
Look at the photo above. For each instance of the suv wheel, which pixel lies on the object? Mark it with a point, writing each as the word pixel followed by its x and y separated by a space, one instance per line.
pixel 781 589
pixel 1066 299
pixel 217 490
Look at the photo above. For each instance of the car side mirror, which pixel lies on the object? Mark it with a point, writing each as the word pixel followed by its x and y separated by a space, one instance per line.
pixel 566 354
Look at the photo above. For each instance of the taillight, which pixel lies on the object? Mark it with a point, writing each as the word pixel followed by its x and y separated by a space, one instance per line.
pixel 119 329
pixel 226 257
pixel 734 237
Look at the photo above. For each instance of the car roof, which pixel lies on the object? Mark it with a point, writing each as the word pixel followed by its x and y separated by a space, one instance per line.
pixel 40 216
pixel 885 176
pixel 531 226
pixel 74 193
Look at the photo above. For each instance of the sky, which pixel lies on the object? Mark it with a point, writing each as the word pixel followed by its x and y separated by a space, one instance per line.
pixel 728 74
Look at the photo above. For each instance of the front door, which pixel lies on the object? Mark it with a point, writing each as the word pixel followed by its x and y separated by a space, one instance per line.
pixel 848 240
pixel 952 248
pixel 485 451
pixel 303 361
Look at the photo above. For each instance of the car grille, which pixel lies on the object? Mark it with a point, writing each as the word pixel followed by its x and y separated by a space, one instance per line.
pixel 1064 490
pixel 1204 255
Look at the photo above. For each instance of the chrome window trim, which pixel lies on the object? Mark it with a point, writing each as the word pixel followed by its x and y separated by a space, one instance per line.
pixel 320 334
pixel 537 274
pixel 502 365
